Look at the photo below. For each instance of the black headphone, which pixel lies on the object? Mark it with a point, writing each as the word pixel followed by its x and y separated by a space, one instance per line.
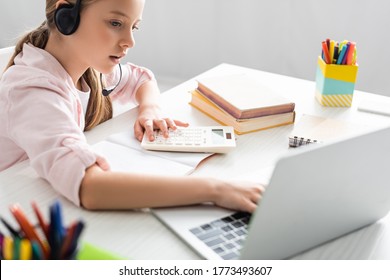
pixel 67 18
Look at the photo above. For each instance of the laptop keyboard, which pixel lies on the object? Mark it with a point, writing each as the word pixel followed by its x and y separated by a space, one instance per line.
pixel 225 236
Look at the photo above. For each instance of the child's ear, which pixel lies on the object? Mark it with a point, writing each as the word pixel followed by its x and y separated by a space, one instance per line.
pixel 62 2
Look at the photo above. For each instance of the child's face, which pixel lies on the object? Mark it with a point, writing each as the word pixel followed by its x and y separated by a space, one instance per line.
pixel 106 32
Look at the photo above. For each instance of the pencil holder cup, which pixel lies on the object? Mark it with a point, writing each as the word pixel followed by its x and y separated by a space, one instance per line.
pixel 335 84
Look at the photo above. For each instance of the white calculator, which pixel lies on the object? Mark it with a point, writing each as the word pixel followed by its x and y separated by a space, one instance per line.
pixel 202 139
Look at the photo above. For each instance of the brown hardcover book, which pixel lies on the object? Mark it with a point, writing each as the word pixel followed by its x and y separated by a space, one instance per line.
pixel 241 126
pixel 243 97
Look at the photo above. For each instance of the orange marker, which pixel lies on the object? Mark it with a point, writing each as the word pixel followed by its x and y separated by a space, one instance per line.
pixel 27 228
pixel 326 52
pixel 42 223
pixel 350 53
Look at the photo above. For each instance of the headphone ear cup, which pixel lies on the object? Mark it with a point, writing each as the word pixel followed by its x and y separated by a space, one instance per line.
pixel 66 20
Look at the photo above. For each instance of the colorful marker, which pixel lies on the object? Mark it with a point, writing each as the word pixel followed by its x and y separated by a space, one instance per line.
pixel 8 247
pixel 326 52
pixel 27 228
pixel 341 55
pixel 42 222
pixel 351 52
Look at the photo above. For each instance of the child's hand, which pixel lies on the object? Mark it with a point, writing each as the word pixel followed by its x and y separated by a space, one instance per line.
pixel 149 118
pixel 239 195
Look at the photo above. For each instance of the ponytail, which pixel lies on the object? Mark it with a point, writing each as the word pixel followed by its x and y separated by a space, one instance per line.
pixel 99 107
pixel 38 38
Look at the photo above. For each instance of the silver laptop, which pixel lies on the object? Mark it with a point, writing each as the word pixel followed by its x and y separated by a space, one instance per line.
pixel 315 194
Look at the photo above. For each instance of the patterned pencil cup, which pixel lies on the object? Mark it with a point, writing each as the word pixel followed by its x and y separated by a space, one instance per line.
pixel 335 84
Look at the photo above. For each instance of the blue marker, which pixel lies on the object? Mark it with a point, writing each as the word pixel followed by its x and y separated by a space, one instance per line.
pixel 56 231
pixel 75 238
pixel 342 54
pixel 59 225
pixel 346 54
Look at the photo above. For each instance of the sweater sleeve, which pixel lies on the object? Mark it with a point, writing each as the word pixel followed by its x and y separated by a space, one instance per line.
pixel 43 122
pixel 133 77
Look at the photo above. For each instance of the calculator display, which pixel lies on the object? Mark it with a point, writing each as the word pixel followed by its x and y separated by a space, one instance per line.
pixel 218 136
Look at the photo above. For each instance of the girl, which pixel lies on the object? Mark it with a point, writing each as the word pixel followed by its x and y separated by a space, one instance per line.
pixel 52 92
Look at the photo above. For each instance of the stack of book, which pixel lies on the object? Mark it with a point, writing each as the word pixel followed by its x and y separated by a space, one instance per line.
pixel 242 102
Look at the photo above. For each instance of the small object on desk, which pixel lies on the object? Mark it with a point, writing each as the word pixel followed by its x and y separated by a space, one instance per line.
pixel 200 139
pixel 295 141
pixel 375 107
pixel 315 129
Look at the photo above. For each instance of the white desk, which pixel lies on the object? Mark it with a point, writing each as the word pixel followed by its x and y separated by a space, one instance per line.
pixel 139 235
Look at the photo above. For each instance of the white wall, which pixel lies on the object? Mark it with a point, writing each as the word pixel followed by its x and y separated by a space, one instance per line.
pixel 17 17
pixel 182 38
